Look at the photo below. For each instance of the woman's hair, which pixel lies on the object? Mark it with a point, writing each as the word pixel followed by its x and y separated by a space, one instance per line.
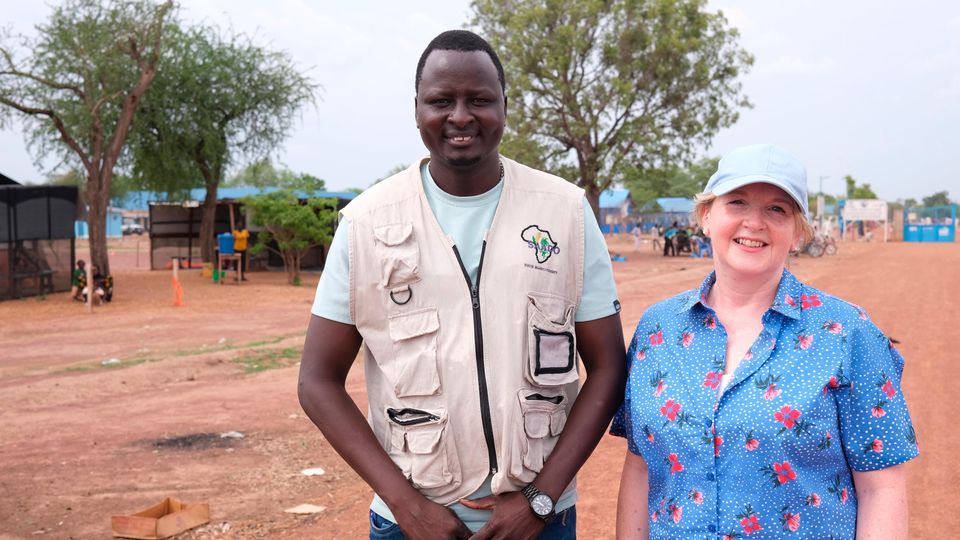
pixel 703 201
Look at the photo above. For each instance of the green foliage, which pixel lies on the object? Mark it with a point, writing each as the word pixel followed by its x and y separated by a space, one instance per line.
pixel 257 361
pixel 293 225
pixel 602 90
pixel 940 198
pixel 398 168
pixel 647 186
pixel 77 87
pixel 262 173
pixel 858 192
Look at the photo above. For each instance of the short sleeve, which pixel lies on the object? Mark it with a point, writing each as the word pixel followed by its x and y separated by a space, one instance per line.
pixel 332 299
pixel 599 298
pixel 622 425
pixel 875 425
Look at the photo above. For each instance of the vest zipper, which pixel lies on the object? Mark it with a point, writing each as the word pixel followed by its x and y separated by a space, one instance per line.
pixel 481 372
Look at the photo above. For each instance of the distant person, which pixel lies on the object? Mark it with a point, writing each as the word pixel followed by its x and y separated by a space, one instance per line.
pixel 241 237
pixel 78 280
pixel 756 403
pixel 637 238
pixel 657 232
pixel 102 286
pixel 472 282
pixel 669 247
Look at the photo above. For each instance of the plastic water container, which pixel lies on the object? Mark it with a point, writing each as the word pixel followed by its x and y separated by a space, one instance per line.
pixel 225 243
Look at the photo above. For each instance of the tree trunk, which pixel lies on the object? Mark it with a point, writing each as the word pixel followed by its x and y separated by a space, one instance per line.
pixel 593 197
pixel 208 219
pixel 98 199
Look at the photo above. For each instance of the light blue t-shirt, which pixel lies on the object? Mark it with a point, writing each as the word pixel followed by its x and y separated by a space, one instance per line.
pixel 466 220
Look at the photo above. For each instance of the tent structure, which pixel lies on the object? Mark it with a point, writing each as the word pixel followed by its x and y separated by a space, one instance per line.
pixel 37 244
pixel 175 226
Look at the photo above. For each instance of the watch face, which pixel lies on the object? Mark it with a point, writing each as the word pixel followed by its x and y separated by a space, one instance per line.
pixel 541 504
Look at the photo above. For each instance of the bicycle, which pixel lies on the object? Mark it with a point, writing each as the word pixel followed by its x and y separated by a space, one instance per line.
pixel 820 245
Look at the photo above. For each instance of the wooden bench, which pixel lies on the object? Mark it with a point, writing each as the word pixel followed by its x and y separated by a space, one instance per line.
pixel 45 278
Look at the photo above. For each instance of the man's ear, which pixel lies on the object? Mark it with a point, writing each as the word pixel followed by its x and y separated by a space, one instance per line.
pixel 415 121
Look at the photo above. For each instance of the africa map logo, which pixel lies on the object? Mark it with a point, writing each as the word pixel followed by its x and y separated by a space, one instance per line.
pixel 540 241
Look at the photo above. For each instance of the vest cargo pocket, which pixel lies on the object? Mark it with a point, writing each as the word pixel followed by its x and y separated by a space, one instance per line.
pixel 551 341
pixel 544 416
pixel 419 448
pixel 399 255
pixel 413 367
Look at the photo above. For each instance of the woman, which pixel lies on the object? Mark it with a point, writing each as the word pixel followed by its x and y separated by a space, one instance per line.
pixel 758 406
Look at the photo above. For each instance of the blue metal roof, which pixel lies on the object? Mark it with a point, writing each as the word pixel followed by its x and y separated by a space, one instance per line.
pixel 613 198
pixel 140 200
pixel 681 205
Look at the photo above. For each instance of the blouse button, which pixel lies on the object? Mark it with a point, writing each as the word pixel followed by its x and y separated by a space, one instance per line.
pixel 712 528
pixel 710 477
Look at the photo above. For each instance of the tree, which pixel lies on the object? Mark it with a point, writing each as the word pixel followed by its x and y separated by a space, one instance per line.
pixel 79 88
pixel 600 88
pixel 940 198
pixel 294 226
pixel 262 173
pixel 219 96
pixel 858 192
pixel 686 182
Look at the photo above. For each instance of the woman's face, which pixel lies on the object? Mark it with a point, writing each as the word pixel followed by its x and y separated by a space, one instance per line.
pixel 752 229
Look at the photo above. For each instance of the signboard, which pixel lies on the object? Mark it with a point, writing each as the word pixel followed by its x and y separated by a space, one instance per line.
pixel 865 210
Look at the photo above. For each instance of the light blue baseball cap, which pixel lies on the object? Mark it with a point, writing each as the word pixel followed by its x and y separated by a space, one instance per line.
pixel 761 163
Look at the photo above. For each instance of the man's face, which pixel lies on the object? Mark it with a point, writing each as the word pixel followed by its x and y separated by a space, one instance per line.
pixel 460 108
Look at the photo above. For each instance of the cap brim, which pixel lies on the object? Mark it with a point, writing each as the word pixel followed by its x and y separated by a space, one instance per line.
pixel 730 185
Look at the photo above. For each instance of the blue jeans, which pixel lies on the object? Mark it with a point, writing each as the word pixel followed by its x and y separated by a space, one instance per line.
pixel 562 528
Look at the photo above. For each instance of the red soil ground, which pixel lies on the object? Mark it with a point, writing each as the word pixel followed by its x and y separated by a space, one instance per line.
pixel 80 441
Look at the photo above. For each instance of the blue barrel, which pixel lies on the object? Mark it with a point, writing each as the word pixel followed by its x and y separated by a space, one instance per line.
pixel 225 243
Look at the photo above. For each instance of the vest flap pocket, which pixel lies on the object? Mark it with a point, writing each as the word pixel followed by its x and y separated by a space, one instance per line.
pixel 544 415
pixel 551 341
pixel 393 235
pixel 424 441
pixel 396 248
pixel 536 424
pixel 413 324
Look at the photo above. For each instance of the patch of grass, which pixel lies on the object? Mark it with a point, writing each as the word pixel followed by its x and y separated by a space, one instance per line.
pixel 258 361
pixel 232 346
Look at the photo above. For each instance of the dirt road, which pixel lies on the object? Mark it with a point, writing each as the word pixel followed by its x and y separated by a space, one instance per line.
pixel 80 441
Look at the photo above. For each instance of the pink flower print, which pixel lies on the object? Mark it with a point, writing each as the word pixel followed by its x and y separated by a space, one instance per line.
pixel 771 392
pixel 888 389
pixel 813 500
pixel 784 472
pixel 844 495
pixel 646 430
pixel 877 411
pixel 670 409
pixel 751 443
pixel 661 386
pixel 641 353
pixel 717 441
pixel 875 446
pixel 812 301
pixel 712 380
pixel 790 301
pixel 696 496
pixel 686 339
pixel 787 415
pixel 791 522
pixel 676 512
pixel 833 327
pixel 675 465
pixel 656 337
pixel 748 355
pixel 710 322
pixel 832 383
pixel 750 524
pixel 655 516
pixel 804 341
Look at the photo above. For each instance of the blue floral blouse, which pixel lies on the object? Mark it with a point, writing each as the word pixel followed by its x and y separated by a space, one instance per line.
pixel 816 397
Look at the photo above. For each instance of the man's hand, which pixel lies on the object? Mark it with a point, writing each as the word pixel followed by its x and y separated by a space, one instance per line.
pixel 512 517
pixel 424 519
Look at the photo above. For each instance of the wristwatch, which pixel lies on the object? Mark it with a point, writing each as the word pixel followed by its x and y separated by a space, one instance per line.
pixel 540 502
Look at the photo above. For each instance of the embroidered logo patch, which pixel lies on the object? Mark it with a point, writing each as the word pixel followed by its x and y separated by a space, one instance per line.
pixel 540 241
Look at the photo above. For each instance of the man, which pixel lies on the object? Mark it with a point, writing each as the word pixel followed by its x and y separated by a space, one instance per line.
pixel 472 282
pixel 78 280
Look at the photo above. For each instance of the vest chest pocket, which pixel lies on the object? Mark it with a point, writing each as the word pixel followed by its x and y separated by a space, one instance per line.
pixel 551 341
pixel 396 247
pixel 412 369
pixel 544 415
pixel 419 447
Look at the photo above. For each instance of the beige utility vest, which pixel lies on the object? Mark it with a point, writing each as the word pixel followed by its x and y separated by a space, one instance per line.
pixel 463 381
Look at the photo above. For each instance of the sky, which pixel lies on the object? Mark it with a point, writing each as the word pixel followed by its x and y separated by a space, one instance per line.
pixel 863 88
